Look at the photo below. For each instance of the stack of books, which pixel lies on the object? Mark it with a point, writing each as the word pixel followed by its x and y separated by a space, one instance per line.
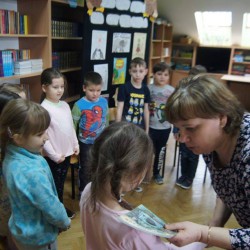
pixel 36 65
pixel 22 67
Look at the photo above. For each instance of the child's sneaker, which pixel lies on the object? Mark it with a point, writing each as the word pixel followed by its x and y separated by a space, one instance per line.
pixel 138 189
pixel 158 179
pixel 70 214
pixel 180 180
pixel 186 184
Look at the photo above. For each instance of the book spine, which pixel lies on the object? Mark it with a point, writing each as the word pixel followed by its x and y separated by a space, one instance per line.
pixel 1 64
pixel 25 20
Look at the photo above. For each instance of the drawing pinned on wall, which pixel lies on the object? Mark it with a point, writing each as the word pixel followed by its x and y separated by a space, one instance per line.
pixel 139 45
pixel 125 21
pixel 97 18
pixel 121 42
pixel 119 70
pixel 137 7
pixel 112 19
pixel 98 45
pixel 102 69
pixel 123 4
pixel 109 4
pixel 151 8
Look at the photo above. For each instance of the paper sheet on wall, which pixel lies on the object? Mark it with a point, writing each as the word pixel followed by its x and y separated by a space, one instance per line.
pixel 139 45
pixel 121 42
pixel 119 70
pixel 102 69
pixel 137 7
pixel 112 19
pixel 97 18
pixel 98 45
pixel 109 4
pixel 125 21
pixel 123 4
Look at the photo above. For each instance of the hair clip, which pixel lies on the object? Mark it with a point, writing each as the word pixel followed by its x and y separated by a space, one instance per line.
pixel 9 132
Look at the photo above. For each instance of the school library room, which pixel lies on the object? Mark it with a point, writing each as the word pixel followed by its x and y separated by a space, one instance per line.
pixel 124 124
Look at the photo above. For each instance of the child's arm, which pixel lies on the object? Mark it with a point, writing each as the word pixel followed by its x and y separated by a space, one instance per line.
pixel 146 117
pixel 76 115
pixel 120 106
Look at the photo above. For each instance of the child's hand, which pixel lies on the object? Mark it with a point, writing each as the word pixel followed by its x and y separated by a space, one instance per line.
pixel 76 151
pixel 64 229
pixel 61 159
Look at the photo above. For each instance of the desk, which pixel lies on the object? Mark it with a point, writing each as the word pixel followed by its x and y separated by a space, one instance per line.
pixel 240 86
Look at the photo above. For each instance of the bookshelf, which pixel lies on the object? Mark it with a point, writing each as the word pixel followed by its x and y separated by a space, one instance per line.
pixel 161 45
pixel 183 56
pixel 239 61
pixel 42 43
pixel 182 60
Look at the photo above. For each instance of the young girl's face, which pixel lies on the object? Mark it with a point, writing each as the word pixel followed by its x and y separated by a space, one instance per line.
pixel 55 90
pixel 33 143
pixel 161 78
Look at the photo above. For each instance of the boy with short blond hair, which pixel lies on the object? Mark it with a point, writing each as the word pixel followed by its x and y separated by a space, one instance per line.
pixel 134 97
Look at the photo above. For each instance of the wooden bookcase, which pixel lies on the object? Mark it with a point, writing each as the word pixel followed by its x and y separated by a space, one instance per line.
pixel 239 61
pixel 41 43
pixel 183 56
pixel 161 45
pixel 183 59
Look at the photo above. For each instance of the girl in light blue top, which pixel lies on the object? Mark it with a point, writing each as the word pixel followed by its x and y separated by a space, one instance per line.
pixel 37 214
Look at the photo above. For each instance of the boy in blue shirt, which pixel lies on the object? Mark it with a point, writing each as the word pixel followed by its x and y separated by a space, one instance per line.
pixel 90 118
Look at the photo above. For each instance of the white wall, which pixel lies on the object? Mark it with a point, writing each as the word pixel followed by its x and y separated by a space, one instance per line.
pixel 181 14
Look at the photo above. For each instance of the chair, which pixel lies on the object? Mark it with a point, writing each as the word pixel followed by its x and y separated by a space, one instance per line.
pixel 74 164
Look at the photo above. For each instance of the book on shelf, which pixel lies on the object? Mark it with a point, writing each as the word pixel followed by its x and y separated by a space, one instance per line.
pixel 145 220
pixel 22 71
pixel 6 63
pixel 11 22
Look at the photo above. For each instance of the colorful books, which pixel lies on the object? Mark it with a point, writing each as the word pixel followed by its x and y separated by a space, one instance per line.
pixel 144 220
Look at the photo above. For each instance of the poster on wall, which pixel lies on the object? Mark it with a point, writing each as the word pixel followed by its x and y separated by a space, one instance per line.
pixel 119 70
pixel 98 45
pixel 102 69
pixel 121 42
pixel 139 45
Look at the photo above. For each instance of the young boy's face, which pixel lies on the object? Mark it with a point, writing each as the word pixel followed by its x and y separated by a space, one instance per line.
pixel 92 91
pixel 161 78
pixel 138 73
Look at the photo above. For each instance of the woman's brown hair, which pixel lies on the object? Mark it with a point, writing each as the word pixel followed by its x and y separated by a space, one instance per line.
pixel 203 96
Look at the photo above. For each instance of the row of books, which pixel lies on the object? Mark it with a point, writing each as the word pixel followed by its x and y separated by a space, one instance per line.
pixel 12 22
pixel 28 66
pixel 65 59
pixel 9 57
pixel 65 29
pixel 242 70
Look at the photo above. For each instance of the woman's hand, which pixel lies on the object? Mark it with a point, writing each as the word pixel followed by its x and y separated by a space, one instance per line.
pixel 188 232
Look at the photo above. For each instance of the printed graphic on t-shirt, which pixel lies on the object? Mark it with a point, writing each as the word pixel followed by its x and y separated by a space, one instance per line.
pixel 136 108
pixel 91 123
pixel 157 106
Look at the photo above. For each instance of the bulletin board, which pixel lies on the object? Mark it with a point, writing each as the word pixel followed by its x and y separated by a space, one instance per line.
pixel 115 31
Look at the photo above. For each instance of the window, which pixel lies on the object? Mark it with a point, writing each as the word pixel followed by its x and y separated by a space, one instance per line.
pixel 214 28
pixel 246 30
